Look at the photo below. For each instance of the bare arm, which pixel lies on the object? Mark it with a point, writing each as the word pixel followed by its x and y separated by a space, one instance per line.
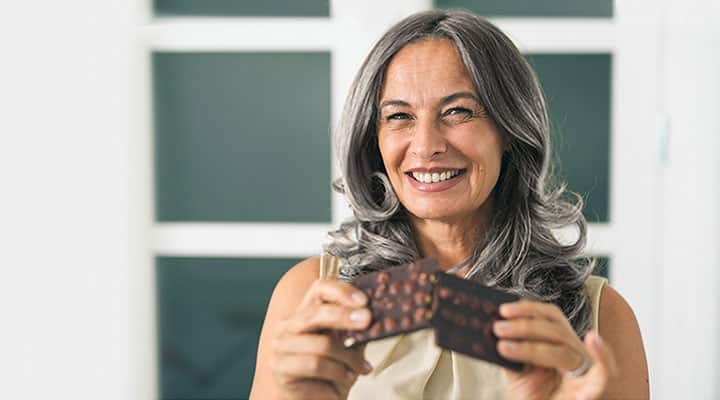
pixel 619 329
pixel 295 359
pixel 285 298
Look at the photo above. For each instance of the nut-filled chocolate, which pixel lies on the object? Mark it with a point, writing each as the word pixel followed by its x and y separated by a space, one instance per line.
pixel 415 296
pixel 463 316
pixel 399 298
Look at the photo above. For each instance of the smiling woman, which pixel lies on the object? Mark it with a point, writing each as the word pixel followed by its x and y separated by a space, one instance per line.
pixel 444 153
pixel 440 150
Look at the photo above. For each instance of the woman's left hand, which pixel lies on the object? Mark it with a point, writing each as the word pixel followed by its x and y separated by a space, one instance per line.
pixel 540 336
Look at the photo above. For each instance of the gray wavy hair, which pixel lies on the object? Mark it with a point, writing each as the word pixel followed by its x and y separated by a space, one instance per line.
pixel 518 253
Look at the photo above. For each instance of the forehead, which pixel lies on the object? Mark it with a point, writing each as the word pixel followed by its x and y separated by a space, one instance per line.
pixel 426 70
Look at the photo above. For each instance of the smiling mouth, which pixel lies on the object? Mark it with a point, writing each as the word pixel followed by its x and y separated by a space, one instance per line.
pixel 435 177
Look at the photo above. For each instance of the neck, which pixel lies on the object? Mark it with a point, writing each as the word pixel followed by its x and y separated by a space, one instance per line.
pixel 449 241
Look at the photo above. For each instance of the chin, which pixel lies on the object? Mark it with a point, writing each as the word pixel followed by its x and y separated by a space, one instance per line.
pixel 438 213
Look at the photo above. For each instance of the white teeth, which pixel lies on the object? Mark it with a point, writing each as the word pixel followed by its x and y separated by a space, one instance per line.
pixel 435 177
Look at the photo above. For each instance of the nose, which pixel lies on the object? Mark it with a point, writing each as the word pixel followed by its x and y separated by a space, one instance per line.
pixel 427 141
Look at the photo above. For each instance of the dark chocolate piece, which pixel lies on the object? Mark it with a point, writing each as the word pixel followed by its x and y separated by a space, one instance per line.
pixel 463 314
pixel 399 300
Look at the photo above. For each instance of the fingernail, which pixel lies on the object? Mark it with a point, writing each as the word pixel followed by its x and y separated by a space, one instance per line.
pixel 598 339
pixel 358 315
pixel 366 367
pixel 509 345
pixel 506 307
pixel 358 298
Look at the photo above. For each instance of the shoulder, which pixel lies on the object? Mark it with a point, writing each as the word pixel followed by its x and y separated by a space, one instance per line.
pixel 615 313
pixel 620 330
pixel 307 269
pixel 293 285
pixel 291 288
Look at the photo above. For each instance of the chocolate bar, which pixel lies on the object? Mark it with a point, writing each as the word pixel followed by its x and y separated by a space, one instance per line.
pixel 399 300
pixel 416 296
pixel 463 316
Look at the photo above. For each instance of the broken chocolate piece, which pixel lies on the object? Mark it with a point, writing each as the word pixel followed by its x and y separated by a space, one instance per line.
pixel 460 328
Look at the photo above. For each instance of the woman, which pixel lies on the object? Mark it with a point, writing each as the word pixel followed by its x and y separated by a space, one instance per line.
pixel 444 152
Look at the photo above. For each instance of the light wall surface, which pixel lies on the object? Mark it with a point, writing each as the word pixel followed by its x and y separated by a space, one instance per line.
pixel 116 276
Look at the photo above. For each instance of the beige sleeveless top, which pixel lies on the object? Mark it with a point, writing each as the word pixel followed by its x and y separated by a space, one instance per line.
pixel 412 367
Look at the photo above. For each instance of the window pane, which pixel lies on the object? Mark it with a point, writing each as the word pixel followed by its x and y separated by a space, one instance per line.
pixel 602 267
pixel 577 87
pixel 533 8
pixel 210 311
pixel 242 136
pixel 259 8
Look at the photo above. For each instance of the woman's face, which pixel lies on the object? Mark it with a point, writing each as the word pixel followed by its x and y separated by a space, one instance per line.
pixel 440 149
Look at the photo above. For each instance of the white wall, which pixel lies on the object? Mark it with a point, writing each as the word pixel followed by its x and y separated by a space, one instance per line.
pixel 74 199
pixel 689 268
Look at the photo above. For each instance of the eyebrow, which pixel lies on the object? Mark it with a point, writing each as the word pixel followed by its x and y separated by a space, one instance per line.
pixel 459 95
pixel 444 100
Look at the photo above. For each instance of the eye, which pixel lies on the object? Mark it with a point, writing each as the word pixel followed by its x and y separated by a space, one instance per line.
pixel 459 111
pixel 397 117
pixel 458 115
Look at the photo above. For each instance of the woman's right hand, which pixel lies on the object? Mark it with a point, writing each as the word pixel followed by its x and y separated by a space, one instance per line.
pixel 308 364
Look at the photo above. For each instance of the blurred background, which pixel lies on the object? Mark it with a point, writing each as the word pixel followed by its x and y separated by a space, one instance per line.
pixel 163 163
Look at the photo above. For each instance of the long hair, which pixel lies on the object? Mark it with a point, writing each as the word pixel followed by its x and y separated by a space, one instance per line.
pixel 519 252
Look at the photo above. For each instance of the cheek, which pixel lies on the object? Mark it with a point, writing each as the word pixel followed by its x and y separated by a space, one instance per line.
pixel 488 158
pixel 493 159
pixel 391 153
pixel 492 167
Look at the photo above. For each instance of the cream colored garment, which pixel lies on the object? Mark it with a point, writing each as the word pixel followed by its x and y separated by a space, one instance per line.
pixel 412 367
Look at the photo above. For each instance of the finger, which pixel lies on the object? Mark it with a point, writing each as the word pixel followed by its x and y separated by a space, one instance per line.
pixel 327 316
pixel 593 384
pixel 291 367
pixel 332 291
pixel 534 329
pixel 602 352
pixel 543 354
pixel 532 309
pixel 310 389
pixel 324 345
pixel 604 364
